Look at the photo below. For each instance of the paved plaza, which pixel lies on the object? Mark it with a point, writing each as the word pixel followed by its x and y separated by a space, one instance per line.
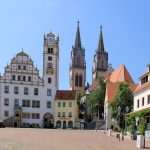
pixel 45 139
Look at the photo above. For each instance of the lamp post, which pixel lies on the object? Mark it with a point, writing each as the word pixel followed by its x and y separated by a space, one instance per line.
pixel 104 115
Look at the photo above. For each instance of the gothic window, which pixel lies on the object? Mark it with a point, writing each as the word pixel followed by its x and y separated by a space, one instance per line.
pixel 80 80
pixel 78 60
pixel 76 80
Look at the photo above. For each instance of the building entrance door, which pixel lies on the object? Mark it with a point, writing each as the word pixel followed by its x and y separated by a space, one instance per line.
pixel 15 124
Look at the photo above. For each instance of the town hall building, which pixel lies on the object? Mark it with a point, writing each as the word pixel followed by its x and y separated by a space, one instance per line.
pixel 26 98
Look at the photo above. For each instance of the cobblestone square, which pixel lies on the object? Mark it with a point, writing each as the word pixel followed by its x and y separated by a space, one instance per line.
pixel 45 139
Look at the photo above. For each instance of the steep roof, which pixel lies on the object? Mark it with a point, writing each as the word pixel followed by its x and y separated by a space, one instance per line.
pixel 65 95
pixel 112 88
pixel 121 74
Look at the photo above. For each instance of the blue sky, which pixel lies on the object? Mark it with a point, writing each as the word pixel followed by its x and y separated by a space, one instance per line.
pixel 126 28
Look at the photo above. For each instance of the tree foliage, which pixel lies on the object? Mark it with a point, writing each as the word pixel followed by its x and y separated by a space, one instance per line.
pixel 122 100
pixel 96 99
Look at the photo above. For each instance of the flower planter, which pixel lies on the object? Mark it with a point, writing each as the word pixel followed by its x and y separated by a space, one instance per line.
pixel 140 141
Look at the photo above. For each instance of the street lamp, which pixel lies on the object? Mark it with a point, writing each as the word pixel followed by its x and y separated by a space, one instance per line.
pixel 104 115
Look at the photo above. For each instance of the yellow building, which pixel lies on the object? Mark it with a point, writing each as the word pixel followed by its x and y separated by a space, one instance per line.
pixel 66 109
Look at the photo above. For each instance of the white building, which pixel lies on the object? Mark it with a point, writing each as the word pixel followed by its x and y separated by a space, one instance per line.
pixel 142 92
pixel 26 99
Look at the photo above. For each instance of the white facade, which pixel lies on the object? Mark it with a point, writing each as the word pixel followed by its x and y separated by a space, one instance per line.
pixel 142 93
pixel 21 87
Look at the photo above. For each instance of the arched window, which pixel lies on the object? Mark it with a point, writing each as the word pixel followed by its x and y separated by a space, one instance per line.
pixel 80 80
pixel 58 124
pixel 78 60
pixel 70 124
pixel 76 80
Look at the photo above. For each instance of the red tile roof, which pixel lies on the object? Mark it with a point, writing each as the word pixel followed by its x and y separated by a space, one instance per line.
pixel 121 74
pixel 65 95
pixel 112 89
pixel 141 87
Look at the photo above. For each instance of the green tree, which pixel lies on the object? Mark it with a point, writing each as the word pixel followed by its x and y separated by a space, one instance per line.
pixel 95 101
pixel 123 100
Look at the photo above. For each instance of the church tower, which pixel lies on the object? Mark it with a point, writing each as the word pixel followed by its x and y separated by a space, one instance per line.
pixel 78 64
pixel 100 66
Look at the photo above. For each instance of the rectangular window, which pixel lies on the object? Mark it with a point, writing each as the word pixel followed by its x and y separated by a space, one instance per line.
pixel 49 80
pixel 19 78
pixel 70 114
pixel 35 104
pixel 49 92
pixel 142 101
pixel 63 114
pixel 16 90
pixel 6 113
pixel 49 58
pixel 25 103
pixel 24 78
pixel 36 91
pixel 148 99
pixel 24 67
pixel 48 104
pixel 6 101
pixel 29 78
pixel 59 104
pixel 19 67
pixel 138 103
pixel 35 116
pixel 25 115
pixel 59 114
pixel 26 90
pixel 64 104
pixel 49 50
pixel 13 77
pixel 6 89
pixel 70 104
pixel 16 102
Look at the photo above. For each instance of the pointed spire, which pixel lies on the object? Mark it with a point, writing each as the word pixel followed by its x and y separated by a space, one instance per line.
pixel 78 39
pixel 101 42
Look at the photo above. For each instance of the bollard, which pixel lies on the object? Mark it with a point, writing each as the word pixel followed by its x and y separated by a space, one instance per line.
pixel 140 141
pixel 109 132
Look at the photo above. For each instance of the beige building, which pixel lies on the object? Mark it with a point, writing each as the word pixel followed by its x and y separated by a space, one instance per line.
pixel 66 109
pixel 119 75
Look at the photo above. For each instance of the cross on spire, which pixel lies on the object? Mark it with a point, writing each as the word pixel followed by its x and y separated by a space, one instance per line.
pixel 101 42
pixel 78 39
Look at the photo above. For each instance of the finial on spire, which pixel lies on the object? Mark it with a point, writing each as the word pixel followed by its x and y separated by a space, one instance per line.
pixel 101 42
pixel 22 49
pixel 101 28
pixel 78 39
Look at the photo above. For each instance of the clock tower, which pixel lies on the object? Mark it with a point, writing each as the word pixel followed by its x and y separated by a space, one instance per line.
pixel 51 62
pixel 78 64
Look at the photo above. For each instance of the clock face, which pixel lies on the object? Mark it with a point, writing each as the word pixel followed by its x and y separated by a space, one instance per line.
pixel 50 41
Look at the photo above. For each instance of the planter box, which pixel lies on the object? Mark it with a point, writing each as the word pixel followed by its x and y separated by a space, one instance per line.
pixel 140 141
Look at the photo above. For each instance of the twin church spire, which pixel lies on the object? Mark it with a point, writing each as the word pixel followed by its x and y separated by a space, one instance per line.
pixel 78 63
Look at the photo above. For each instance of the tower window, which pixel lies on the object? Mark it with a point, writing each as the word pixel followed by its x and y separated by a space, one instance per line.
pixel 76 80
pixel 49 58
pixel 50 50
pixel 49 80
pixel 80 80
